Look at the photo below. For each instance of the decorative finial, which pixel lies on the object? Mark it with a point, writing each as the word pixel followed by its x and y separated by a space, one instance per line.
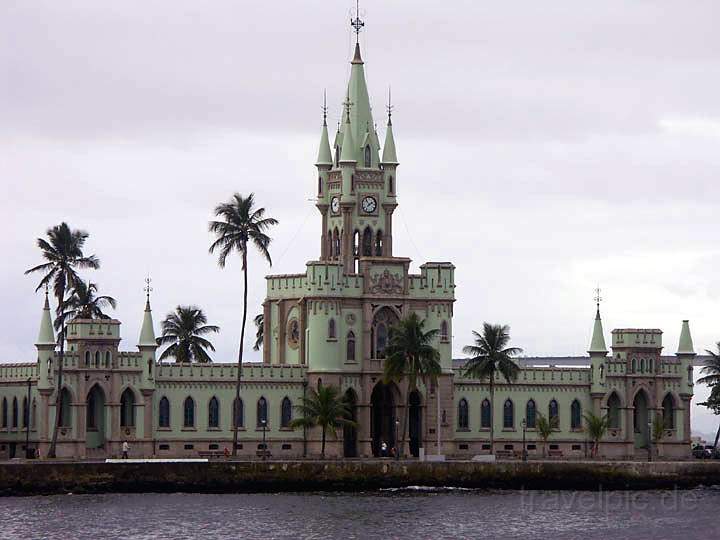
pixel 389 106
pixel 597 297
pixel 148 289
pixel 347 104
pixel 357 23
pixel 324 108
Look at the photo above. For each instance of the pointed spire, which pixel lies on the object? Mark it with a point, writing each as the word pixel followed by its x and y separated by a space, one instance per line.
pixel 361 112
pixel 347 154
pixel 389 155
pixel 686 343
pixel 597 343
pixel 147 332
pixel 357 57
pixel 46 335
pixel 324 153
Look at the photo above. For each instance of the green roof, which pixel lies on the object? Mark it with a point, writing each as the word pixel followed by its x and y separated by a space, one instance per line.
pixel 324 153
pixel 597 343
pixel 147 333
pixel 686 343
pixel 389 154
pixel 46 335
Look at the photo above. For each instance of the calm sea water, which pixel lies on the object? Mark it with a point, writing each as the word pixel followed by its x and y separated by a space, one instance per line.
pixel 403 514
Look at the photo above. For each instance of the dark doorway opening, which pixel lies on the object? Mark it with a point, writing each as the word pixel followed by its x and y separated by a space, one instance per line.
pixel 415 423
pixel 382 418
pixel 350 432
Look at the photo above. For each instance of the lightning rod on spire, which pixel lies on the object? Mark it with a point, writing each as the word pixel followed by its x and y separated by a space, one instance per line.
pixel 357 23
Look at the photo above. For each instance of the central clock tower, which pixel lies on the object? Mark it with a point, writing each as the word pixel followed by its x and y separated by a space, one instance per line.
pixel 356 187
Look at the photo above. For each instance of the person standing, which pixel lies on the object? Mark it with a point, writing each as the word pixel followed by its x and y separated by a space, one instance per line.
pixel 125 449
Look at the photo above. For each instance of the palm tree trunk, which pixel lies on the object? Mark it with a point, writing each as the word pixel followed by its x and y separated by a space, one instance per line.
pixel 322 448
pixel 717 436
pixel 492 413
pixel 401 446
pixel 240 353
pixel 52 451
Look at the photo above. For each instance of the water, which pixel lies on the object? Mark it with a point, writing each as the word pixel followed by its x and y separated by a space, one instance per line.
pixel 403 514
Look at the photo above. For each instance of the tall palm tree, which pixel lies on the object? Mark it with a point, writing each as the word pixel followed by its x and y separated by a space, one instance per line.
pixel 85 303
pixel 490 355
pixel 182 330
pixel 240 225
pixel 63 253
pixel 410 354
pixel 325 408
pixel 596 427
pixel 712 379
pixel 259 331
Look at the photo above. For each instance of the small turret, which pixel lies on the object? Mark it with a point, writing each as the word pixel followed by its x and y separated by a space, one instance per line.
pixel 389 156
pixel 686 343
pixel 147 344
pixel 597 343
pixel 348 151
pixel 324 154
pixel 147 332
pixel 46 335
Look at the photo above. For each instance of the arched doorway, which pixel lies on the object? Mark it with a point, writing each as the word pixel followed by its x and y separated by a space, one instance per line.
pixel 382 417
pixel 415 424
pixel 350 432
pixel 640 419
pixel 95 418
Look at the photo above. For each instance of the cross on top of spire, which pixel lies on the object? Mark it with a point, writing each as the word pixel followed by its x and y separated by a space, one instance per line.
pixel 147 288
pixel 597 296
pixel 389 106
pixel 357 23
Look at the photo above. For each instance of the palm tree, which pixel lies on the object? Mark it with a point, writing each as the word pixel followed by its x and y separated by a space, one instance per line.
pixel 596 427
pixel 85 303
pixel 712 379
pixel 545 427
pixel 410 354
pixel 259 332
pixel 490 355
pixel 240 224
pixel 63 251
pixel 183 331
pixel 324 407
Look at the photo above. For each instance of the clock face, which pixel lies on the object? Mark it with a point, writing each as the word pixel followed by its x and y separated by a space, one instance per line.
pixel 335 205
pixel 369 205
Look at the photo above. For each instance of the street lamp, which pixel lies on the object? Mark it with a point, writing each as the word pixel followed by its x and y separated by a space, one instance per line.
pixel 649 444
pixel 524 452
pixel 397 445
pixel 264 445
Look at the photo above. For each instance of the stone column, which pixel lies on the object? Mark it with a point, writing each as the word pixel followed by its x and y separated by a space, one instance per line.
pixel 282 324
pixel 148 434
pixel 302 307
pixel 387 241
pixel 324 255
pixel 267 331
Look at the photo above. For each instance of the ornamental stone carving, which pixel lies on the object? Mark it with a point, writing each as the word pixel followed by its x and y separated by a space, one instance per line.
pixel 386 283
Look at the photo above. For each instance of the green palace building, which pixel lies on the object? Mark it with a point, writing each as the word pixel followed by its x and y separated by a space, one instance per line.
pixel 329 324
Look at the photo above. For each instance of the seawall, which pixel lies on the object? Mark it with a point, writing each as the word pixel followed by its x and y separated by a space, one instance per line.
pixel 21 478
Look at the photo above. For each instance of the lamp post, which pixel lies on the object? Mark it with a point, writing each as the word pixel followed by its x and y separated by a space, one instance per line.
pixel 26 414
pixel 524 451
pixel 264 428
pixel 649 440
pixel 397 445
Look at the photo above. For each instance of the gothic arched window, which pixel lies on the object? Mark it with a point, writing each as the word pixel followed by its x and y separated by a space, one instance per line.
pixel 391 186
pixel 668 408
pixel 337 155
pixel 262 417
pixel 4 413
pixel 65 410
pixel 97 359
pixel 14 413
pixel 530 414
pixel 329 245
pixel 107 359
pixel 444 331
pixel 214 413
pixel 350 347
pixel 87 358
pixel 613 404
pixel 575 415
pixel 238 413
pixel 332 331
pixel 485 414
pixel 379 244
pixel 368 156
pixel 367 242
pixel 508 414
pixel 285 412
pixel 463 420
pixel 189 413
pixel 554 414
pixel 382 321
pixel 25 413
pixel 164 413
pixel 634 365
pixel 336 242
pixel 319 185
pixel 127 408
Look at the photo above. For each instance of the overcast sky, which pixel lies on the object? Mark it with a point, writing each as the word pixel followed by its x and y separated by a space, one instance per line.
pixel 544 148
